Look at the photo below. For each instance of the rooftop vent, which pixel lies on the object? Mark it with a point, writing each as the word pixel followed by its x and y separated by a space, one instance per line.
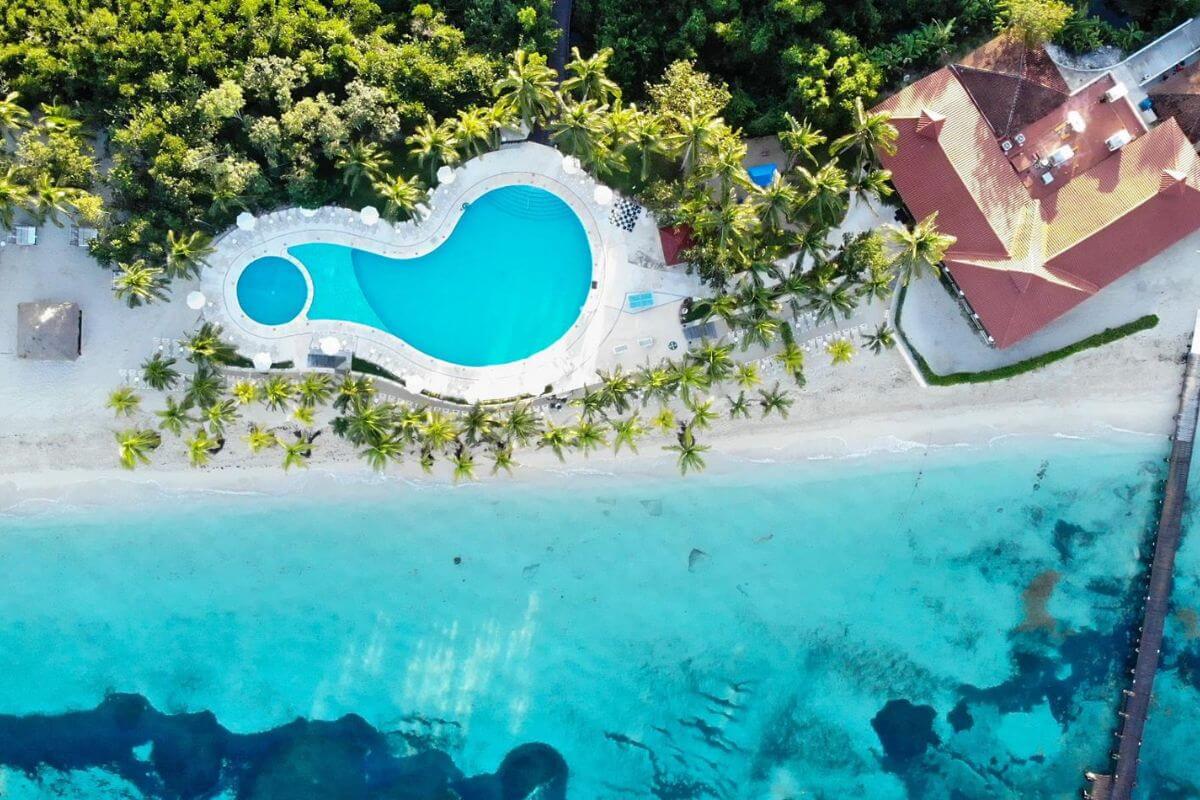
pixel 929 124
pixel 1062 155
pixel 1118 140
pixel 1115 93
pixel 1047 178
pixel 1172 181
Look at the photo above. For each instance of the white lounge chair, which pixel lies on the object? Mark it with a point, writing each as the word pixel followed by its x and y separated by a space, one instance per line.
pixel 646 342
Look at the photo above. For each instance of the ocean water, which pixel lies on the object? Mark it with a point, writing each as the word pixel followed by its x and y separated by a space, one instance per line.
pixel 947 624
pixel 508 281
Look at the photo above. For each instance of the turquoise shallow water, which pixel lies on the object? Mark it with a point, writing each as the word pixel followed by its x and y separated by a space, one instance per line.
pixel 508 282
pixel 947 625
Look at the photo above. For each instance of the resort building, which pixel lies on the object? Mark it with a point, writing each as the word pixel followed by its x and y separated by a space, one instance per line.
pixel 1052 193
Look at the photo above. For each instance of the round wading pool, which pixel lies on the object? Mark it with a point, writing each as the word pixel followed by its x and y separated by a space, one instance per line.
pixel 271 290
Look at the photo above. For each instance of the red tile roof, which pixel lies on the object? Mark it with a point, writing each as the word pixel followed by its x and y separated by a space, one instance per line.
pixel 1026 254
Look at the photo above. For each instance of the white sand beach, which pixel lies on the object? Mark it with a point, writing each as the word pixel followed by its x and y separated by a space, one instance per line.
pixel 55 431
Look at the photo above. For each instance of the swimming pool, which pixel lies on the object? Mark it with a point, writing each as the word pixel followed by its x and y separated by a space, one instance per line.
pixel 507 282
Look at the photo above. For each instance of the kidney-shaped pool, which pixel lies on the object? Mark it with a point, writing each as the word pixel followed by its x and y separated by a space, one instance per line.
pixel 508 282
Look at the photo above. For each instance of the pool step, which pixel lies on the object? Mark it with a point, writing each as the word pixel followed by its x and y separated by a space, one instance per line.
pixel 528 202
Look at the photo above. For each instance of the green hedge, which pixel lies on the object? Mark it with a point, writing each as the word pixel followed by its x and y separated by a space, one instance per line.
pixel 1028 365
pixel 371 368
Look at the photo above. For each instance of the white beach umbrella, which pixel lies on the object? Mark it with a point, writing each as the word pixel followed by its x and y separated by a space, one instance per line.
pixel 445 174
pixel 603 195
pixel 571 165
pixel 196 300
pixel 369 215
pixel 422 210
pixel 330 346
pixel 309 212
pixel 262 361
pixel 246 221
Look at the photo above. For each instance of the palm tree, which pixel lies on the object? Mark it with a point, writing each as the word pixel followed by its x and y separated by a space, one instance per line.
pixel 438 430
pixel 716 358
pixel 13 195
pixel 724 306
pixel 873 185
pixel 175 417
pixel 434 145
pixel 520 424
pixel 792 359
pixel 187 254
pixel 616 387
pixel 527 90
pixel 135 446
pixel 690 453
pixel 261 439
pixel 589 79
pixel 159 373
pixel 137 283
pixel 245 392
pixel 689 377
pixel 799 140
pixel 352 389
pixel 840 351
pixel 478 425
pixel 591 402
pixel 884 338
pixel 656 382
pixel 49 199
pixel 832 300
pixel 464 465
pixel 383 450
pixel 775 203
pixel 502 459
pixel 730 223
pixel 824 193
pixel 696 136
pixel 739 406
pixel 205 345
pixel 588 435
pixel 124 401
pixel 204 387
pixel 627 431
pixel 774 399
pixel 200 447
pixel 314 389
pixel 556 437
pixel 13 116
pixel 576 130
pixel 305 415
pixel 645 140
pixel 746 375
pixel 871 132
pixel 57 118
pixel 759 329
pixel 361 162
pixel 725 165
pixel 664 420
pixel 297 453
pixel 366 421
pixel 401 196
pixel 473 131
pixel 220 415
pixel 703 413
pixel 277 392
pixel 920 249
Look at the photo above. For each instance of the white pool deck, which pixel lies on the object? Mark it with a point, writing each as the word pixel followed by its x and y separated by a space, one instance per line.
pixel 606 332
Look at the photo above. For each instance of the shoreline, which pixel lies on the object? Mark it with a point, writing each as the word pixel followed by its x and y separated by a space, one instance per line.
pixel 867 442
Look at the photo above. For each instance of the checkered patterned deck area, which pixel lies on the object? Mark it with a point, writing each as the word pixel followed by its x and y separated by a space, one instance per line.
pixel 624 214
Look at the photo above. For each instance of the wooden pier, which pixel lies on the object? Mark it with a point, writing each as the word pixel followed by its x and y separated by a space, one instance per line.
pixel 1135 699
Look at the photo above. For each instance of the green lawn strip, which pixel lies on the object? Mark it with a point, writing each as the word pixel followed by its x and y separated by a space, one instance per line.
pixel 1028 365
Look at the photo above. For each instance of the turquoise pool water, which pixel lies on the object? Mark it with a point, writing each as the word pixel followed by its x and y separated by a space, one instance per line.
pixel 508 282
pixel 271 290
pixel 759 634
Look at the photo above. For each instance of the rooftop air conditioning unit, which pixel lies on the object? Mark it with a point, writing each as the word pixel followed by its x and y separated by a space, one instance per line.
pixel 1006 145
pixel 1047 178
pixel 1020 138
pixel 1061 156
pixel 1118 140
pixel 1075 121
pixel 1116 92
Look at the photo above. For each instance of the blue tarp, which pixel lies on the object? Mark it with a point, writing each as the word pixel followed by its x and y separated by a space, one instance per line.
pixel 762 174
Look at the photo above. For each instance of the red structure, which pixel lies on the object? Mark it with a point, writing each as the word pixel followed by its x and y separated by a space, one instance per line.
pixel 674 241
pixel 1051 195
